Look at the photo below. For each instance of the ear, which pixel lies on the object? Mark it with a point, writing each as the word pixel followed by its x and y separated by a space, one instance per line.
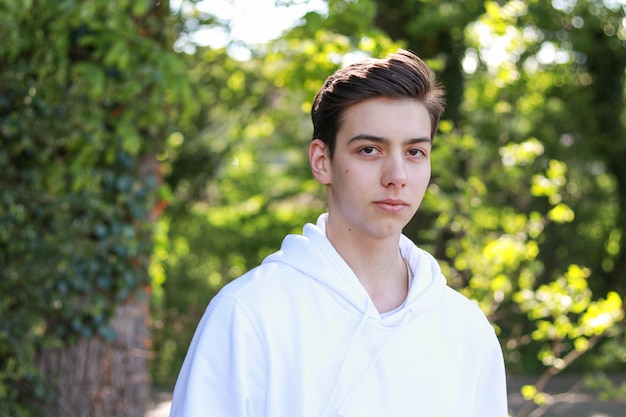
pixel 320 161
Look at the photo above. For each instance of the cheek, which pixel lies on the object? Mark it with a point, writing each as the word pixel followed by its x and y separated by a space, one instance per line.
pixel 421 174
pixel 353 182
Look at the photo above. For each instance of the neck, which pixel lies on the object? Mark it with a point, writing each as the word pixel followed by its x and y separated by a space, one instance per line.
pixel 380 268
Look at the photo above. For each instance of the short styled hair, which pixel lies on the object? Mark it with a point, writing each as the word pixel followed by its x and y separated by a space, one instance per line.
pixel 402 75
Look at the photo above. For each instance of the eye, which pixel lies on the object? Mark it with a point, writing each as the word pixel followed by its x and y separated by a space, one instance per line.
pixel 368 150
pixel 416 152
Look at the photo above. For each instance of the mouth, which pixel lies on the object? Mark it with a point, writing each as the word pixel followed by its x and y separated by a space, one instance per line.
pixel 391 205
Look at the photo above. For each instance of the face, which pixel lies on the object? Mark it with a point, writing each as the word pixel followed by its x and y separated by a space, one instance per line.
pixel 379 171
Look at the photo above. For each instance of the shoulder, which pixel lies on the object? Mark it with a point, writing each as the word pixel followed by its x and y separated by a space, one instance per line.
pixel 425 264
pixel 466 318
pixel 262 285
pixel 243 301
pixel 461 304
pixel 255 279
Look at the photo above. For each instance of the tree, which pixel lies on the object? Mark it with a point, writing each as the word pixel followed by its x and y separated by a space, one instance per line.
pixel 594 36
pixel 90 92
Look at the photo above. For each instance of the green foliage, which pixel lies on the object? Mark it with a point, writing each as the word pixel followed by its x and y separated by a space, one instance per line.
pixel 88 93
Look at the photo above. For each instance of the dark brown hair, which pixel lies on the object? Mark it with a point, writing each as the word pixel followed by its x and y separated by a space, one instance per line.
pixel 402 75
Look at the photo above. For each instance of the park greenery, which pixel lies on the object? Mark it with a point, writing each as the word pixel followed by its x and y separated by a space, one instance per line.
pixel 138 164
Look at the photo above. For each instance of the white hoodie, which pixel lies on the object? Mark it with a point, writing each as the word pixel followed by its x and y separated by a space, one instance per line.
pixel 299 336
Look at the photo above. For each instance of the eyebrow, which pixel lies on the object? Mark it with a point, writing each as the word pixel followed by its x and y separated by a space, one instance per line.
pixel 384 140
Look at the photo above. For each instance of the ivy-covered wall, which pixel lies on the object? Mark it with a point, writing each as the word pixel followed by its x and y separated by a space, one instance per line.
pixel 89 92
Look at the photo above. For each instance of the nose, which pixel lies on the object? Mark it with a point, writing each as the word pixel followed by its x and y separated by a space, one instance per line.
pixel 394 173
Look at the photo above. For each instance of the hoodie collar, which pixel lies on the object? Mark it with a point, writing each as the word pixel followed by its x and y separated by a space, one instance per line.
pixel 312 254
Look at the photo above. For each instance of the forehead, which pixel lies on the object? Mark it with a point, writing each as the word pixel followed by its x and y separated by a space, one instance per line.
pixel 384 117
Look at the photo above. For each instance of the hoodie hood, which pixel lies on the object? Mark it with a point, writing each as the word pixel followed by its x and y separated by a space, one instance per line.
pixel 312 254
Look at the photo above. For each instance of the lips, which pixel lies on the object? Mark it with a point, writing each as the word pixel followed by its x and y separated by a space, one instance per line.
pixel 391 205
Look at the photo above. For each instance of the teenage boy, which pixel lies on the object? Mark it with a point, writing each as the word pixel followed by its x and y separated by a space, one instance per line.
pixel 351 318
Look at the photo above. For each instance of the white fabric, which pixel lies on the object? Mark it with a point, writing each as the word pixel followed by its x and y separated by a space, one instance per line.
pixel 298 336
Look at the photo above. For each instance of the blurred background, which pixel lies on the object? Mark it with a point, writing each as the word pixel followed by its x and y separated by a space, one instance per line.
pixel 152 151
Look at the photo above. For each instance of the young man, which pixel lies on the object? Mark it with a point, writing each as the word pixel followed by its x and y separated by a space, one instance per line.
pixel 351 318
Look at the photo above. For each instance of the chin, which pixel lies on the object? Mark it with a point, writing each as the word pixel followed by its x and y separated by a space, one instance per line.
pixel 388 229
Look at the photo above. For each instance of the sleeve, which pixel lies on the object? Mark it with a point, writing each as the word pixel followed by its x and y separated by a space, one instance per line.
pixel 223 366
pixel 491 394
